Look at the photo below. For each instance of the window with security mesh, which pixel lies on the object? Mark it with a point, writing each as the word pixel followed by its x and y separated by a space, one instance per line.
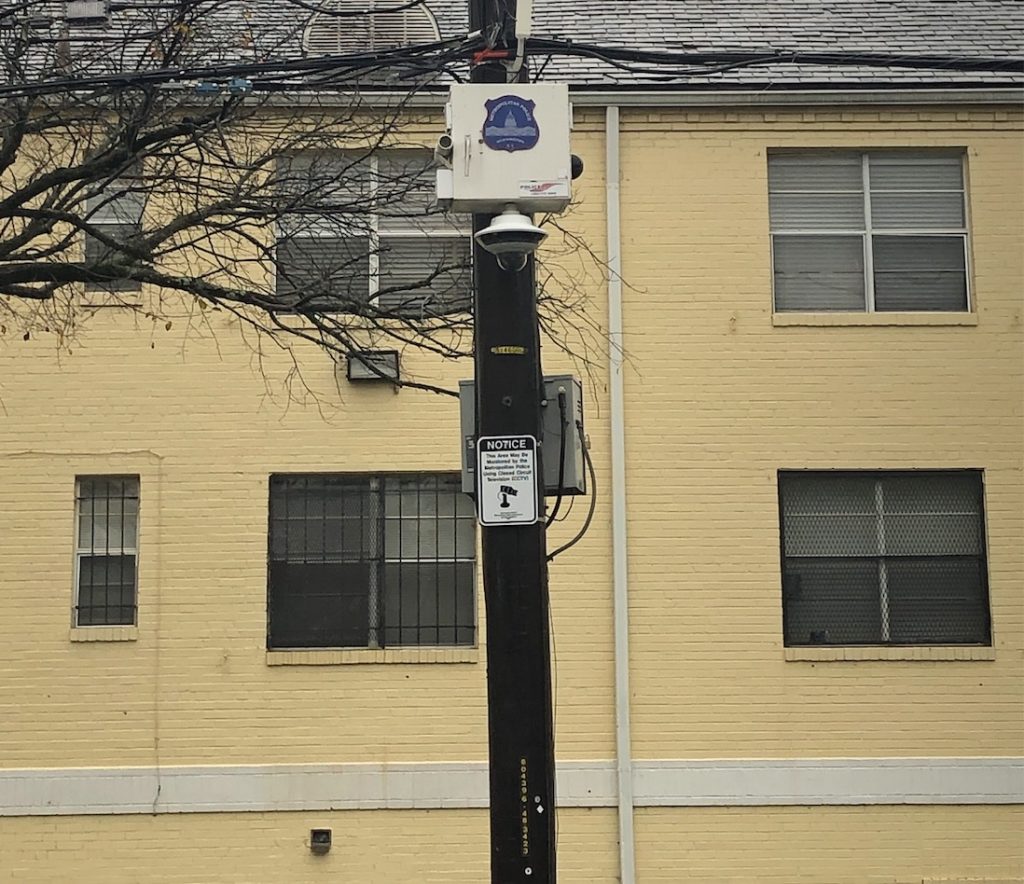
pixel 881 230
pixel 370 561
pixel 364 231
pixel 116 215
pixel 880 558
pixel 106 551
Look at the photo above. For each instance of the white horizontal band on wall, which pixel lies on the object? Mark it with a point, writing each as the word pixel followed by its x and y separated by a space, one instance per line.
pixel 725 783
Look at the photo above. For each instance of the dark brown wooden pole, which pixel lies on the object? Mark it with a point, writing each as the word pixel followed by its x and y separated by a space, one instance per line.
pixel 509 390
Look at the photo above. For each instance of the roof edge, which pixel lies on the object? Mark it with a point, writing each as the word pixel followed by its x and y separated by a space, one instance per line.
pixel 988 95
pixel 1010 94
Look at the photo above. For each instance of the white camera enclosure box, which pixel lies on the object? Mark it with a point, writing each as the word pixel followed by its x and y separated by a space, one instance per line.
pixel 510 145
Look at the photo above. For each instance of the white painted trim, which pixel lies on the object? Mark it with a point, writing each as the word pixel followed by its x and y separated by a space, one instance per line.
pixel 1008 95
pixel 909 653
pixel 370 786
pixel 830 782
pixel 620 553
pixel 880 319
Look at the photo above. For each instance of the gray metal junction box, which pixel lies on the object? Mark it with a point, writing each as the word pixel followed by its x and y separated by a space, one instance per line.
pixel 574 480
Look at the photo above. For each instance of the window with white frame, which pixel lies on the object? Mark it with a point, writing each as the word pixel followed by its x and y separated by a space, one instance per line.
pixel 877 230
pixel 370 561
pixel 360 232
pixel 116 212
pixel 884 558
pixel 106 550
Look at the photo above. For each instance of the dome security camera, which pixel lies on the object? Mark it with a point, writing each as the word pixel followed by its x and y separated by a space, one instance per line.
pixel 511 238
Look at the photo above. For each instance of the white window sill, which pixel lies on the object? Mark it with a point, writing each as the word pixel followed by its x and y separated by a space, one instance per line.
pixel 874 319
pixel 934 652
pixel 97 298
pixel 104 633
pixel 347 656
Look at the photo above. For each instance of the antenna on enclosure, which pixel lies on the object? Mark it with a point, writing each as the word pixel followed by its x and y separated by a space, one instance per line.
pixel 524 20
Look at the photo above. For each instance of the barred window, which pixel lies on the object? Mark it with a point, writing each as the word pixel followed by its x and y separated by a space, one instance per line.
pixel 370 561
pixel 364 231
pixel 116 212
pixel 884 558
pixel 868 231
pixel 106 552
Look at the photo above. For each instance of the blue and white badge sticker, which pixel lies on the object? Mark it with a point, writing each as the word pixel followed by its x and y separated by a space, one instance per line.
pixel 510 124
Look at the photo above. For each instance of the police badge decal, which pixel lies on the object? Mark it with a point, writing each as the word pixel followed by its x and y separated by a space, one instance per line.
pixel 510 124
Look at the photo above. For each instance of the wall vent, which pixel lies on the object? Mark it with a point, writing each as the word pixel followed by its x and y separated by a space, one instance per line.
pixel 87 13
pixel 348 27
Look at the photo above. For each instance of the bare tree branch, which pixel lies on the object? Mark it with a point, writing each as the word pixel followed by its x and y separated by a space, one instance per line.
pixel 123 170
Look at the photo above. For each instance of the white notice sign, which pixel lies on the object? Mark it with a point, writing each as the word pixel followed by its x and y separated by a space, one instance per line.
pixel 506 485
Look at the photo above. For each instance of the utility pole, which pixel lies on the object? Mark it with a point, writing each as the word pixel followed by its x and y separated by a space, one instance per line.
pixel 509 389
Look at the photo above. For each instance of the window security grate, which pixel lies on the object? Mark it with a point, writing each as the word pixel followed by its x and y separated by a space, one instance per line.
pixel 370 561
pixel 107 514
pixel 884 558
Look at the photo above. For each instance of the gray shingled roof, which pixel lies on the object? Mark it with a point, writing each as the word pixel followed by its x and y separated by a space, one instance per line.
pixel 973 28
pixel 257 30
pixel 911 27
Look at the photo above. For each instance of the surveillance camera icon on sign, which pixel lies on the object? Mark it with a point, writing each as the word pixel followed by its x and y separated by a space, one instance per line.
pixel 506 491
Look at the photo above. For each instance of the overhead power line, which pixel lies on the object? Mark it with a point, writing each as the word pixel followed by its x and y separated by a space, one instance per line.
pixel 431 57
pixel 442 56
pixel 664 62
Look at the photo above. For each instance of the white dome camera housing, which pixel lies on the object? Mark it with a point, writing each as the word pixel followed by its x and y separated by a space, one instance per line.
pixel 511 238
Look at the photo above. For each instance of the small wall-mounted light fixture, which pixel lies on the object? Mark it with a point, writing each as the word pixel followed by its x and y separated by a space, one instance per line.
pixel 373 365
pixel 319 841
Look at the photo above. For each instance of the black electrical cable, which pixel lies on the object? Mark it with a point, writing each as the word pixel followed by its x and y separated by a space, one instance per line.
pixel 568 510
pixel 1010 64
pixel 593 499
pixel 326 11
pixel 663 72
pixel 663 65
pixel 540 71
pixel 561 457
pixel 433 54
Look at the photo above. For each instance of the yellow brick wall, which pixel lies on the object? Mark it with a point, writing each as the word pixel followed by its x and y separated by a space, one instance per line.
pixel 717 400
pixel 196 684
pixel 850 845
pixel 720 399
pixel 830 845
pixel 204 417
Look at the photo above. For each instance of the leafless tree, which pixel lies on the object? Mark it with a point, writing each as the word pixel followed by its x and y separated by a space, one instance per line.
pixel 138 166
pixel 187 151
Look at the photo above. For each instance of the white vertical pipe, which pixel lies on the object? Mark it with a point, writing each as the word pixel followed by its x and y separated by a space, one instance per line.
pixel 620 569
pixel 524 21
